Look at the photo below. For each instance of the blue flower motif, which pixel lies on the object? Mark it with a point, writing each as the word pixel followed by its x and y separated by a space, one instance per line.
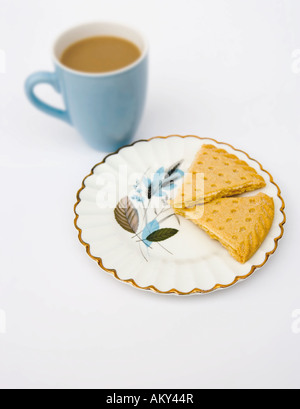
pixel 149 229
pixel 161 183
pixel 137 198
pixel 169 182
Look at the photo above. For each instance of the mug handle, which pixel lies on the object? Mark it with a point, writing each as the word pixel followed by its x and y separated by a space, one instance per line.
pixel 44 77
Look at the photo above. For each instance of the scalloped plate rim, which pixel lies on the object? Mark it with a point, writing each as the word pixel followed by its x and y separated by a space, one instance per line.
pixel 173 291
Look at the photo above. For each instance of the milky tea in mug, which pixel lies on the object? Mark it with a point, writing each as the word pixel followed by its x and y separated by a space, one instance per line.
pixel 100 54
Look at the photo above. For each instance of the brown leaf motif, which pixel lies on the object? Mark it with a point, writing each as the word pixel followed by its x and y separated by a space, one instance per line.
pixel 126 215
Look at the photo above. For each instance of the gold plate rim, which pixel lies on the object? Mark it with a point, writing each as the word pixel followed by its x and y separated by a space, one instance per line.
pixel 173 290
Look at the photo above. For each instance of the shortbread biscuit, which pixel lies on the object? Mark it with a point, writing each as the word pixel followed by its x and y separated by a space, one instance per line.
pixel 239 224
pixel 215 173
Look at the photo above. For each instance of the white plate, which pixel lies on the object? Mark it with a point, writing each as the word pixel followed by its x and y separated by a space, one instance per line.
pixel 188 262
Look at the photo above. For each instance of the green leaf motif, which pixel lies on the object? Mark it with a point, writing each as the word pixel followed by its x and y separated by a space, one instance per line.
pixel 127 215
pixel 161 235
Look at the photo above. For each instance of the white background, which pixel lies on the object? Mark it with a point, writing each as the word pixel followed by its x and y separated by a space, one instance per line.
pixel 227 69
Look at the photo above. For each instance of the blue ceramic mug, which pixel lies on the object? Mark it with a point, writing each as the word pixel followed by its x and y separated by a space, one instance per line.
pixel 106 108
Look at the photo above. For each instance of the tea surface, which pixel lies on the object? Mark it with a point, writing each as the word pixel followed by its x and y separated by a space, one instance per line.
pixel 100 54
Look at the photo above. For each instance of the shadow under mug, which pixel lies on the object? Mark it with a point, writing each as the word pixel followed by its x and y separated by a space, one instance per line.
pixel 105 108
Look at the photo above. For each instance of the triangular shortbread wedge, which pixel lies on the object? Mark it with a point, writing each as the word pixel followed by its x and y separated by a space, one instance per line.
pixel 239 224
pixel 215 173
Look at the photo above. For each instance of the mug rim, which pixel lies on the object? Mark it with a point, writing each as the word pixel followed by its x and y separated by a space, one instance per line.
pixel 143 55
